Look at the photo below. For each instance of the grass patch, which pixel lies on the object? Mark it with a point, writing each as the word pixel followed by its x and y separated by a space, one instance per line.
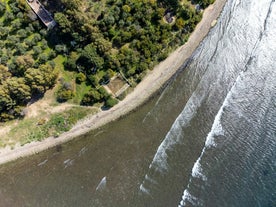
pixel 59 63
pixel 81 89
pixel 37 129
pixel 68 76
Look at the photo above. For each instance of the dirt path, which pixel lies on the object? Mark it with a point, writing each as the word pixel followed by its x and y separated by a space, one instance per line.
pixel 149 85
pixel 35 109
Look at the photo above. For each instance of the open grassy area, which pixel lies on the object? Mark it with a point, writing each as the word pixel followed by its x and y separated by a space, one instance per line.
pixel 38 128
pixel 45 124
pixel 66 75
pixel 81 90
pixel 70 77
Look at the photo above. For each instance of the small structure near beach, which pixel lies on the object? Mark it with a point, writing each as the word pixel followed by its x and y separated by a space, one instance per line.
pixel 42 13
pixel 117 85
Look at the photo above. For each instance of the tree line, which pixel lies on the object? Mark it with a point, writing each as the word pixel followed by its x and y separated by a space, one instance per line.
pixel 97 39
pixel 125 36
pixel 26 66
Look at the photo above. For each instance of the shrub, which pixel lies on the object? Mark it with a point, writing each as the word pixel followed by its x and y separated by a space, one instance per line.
pixel 92 97
pixel 104 93
pixel 80 78
pixel 65 92
pixel 110 102
pixel 64 95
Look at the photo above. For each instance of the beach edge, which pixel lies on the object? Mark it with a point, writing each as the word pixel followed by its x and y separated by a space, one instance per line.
pixel 153 81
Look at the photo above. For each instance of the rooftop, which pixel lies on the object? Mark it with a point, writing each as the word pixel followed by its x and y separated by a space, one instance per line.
pixel 42 13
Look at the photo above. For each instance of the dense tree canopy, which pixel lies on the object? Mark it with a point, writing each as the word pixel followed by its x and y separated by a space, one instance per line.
pixel 97 39
pixel 124 35
pixel 24 67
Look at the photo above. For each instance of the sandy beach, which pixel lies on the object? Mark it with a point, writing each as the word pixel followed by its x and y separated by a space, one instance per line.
pixel 148 86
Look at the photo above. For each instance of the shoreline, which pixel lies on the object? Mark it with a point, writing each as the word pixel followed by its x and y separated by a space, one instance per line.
pixel 151 83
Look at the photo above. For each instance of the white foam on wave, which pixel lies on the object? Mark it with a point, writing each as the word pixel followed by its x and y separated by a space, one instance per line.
pixel 187 197
pixel 102 184
pixel 157 103
pixel 68 163
pixel 173 136
pixel 216 130
pixel 144 190
pixel 150 179
pixel 43 163
pixel 82 151
pixel 160 158
pixel 159 162
pixel 197 171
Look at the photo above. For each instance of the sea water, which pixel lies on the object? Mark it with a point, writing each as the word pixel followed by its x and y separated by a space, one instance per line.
pixel 208 138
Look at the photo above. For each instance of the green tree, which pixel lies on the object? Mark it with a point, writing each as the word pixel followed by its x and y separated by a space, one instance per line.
pixel 2 8
pixel 179 23
pixel 204 3
pixel 4 32
pixel 24 61
pixel 80 78
pixel 104 94
pixel 61 49
pixel 4 74
pixel 40 79
pixel 65 92
pixel 70 63
pixel 18 90
pixel 22 33
pixel 8 17
pixel 126 8
pixel 171 3
pixel 6 102
pixel 110 102
pixel 63 22
pixel 94 80
pixel 90 59
pixel 42 58
pixel 37 50
pixel 72 4
pixel 92 97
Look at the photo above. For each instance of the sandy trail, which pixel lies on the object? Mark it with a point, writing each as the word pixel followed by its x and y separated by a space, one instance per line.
pixel 148 86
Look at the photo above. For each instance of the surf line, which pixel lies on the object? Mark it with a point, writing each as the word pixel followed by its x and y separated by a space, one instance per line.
pixel 216 130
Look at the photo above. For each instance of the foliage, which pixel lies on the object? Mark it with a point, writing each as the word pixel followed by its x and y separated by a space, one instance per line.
pixel 92 97
pixel 25 68
pixel 65 92
pixel 110 102
pixel 80 78
pixel 125 35
pixel 97 39
pixel 204 3
pixel 35 129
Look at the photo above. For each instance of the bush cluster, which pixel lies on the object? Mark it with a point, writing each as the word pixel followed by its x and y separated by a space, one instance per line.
pixel 26 70
pixel 97 38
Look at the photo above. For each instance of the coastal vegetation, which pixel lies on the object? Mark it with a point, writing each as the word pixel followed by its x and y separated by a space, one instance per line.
pixel 93 43
pixel 27 66
pixel 38 128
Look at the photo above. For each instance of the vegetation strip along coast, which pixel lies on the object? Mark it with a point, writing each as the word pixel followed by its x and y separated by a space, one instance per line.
pixel 148 86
